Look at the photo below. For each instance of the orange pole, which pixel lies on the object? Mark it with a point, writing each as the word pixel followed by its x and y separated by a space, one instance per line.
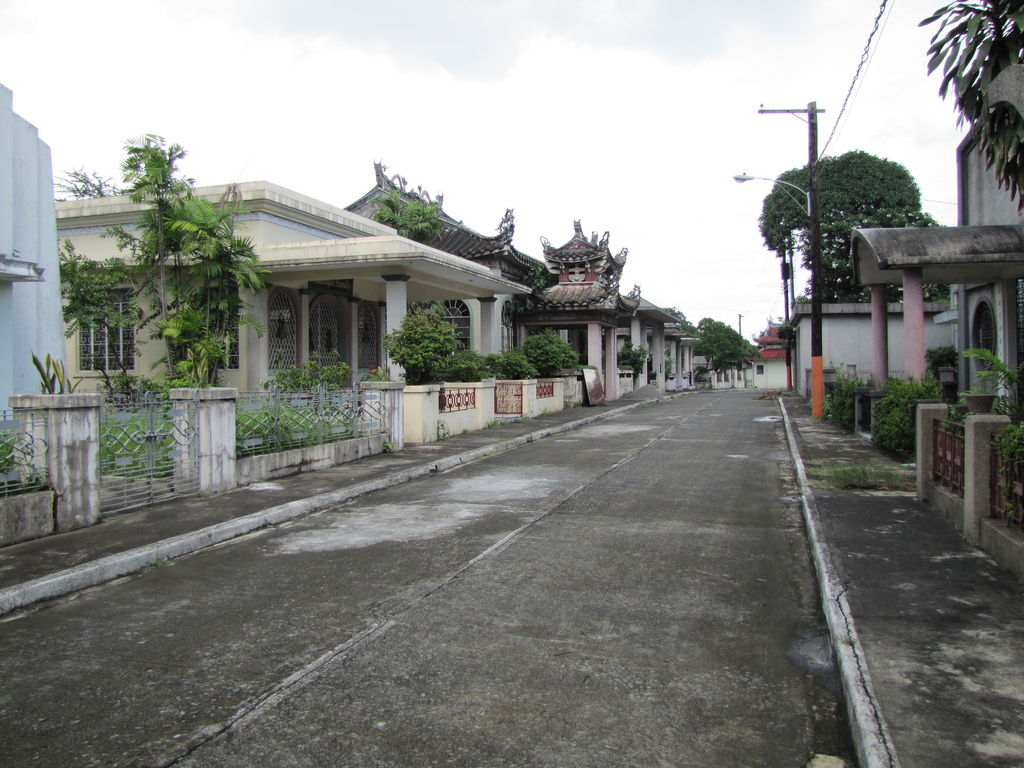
pixel 817 388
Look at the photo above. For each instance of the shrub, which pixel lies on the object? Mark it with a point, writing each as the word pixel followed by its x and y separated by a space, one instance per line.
pixel 839 405
pixel 894 429
pixel 633 358
pixel 941 357
pixel 549 353
pixel 312 374
pixel 421 344
pixel 464 365
pixel 512 364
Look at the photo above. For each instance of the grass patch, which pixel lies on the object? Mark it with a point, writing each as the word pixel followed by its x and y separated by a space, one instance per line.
pixel 873 476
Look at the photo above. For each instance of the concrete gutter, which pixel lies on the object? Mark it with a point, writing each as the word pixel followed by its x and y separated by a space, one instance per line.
pixel 870 734
pixel 134 560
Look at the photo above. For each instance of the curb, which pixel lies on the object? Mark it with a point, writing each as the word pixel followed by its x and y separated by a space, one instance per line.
pixel 867 724
pixel 134 560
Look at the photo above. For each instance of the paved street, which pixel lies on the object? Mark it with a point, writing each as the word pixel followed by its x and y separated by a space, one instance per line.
pixel 636 592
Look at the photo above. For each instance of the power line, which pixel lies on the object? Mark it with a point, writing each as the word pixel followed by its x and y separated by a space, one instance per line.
pixel 863 59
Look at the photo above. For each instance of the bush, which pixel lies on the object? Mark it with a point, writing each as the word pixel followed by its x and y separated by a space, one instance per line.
pixel 512 364
pixel 548 353
pixel 839 405
pixel 895 427
pixel 634 358
pixel 464 365
pixel 312 374
pixel 421 344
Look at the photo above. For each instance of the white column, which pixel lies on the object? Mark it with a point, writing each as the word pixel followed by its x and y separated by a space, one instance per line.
pixel 611 355
pixel 395 296
pixel 487 306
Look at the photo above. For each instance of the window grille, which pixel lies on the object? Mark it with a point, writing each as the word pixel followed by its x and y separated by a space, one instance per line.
pixel 457 314
pixel 234 354
pixel 369 351
pixel 282 334
pixel 1020 321
pixel 984 331
pixel 324 334
pixel 102 349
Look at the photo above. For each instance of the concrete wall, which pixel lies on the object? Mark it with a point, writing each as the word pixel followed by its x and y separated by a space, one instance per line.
pixel 30 304
pixel 846 337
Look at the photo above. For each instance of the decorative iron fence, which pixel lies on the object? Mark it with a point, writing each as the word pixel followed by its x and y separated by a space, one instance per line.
pixel 23 457
pixel 149 450
pixel 1006 490
pixel 508 398
pixel 948 455
pixel 545 389
pixel 449 400
pixel 275 420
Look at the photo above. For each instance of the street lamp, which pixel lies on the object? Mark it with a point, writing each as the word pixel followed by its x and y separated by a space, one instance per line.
pixel 814 215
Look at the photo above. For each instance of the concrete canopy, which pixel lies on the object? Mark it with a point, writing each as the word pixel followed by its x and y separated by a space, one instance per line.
pixel 944 255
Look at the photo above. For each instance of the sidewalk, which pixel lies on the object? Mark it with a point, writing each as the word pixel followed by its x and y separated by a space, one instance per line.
pixel 936 622
pixel 130 541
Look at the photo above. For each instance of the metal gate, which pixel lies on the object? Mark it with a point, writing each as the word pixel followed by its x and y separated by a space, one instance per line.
pixel 149 450
pixel 508 398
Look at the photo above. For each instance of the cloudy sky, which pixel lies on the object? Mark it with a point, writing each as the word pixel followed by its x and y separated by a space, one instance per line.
pixel 630 115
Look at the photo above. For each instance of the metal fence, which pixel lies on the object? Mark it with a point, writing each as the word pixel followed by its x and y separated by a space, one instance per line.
pixel 149 450
pixel 276 420
pixel 1006 490
pixel 23 456
pixel 508 398
pixel 456 399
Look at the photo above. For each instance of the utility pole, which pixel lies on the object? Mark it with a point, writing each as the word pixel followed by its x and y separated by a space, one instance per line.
pixel 741 325
pixel 817 368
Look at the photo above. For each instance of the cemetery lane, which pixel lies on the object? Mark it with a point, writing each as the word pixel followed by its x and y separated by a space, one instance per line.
pixel 635 592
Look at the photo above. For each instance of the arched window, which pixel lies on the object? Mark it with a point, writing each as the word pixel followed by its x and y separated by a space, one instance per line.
pixel 458 315
pixel 283 331
pixel 325 333
pixel 508 327
pixel 983 332
pixel 369 345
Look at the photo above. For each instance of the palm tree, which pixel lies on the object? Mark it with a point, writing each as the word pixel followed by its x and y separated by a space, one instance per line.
pixel 412 219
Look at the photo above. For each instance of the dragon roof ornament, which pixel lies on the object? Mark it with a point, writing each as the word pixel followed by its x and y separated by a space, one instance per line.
pixel 398 182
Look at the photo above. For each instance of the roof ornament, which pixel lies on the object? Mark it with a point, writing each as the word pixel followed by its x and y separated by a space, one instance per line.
pixel 396 181
pixel 507 226
pixel 635 293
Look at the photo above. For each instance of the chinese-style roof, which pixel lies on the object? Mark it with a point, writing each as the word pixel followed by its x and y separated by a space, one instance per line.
pixel 588 275
pixel 772 354
pixel 456 238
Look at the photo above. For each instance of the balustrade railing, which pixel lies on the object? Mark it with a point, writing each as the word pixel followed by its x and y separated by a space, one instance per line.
pixel 457 399
pixel 23 459
pixel 948 456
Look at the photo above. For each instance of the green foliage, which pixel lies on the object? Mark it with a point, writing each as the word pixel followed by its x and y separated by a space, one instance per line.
pixel 997 374
pixel 78 184
pixel 974 43
pixel 463 365
pixel 894 414
pixel 512 364
pixel 1009 443
pixel 633 358
pixel 411 219
pixel 856 190
pixel 941 357
pixel 54 379
pixel 721 345
pixel 421 344
pixel 380 373
pixel 787 335
pixel 684 325
pixel 839 406
pixel 549 353
pixel 311 375
pixel 199 354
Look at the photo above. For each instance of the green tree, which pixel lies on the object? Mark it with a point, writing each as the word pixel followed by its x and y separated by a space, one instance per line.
pixel 150 168
pixel 549 353
pixel 684 325
pixel 856 190
pixel 217 266
pixel 633 358
pixel 78 184
pixel 721 345
pixel 412 219
pixel 421 344
pixel 101 298
pixel 974 43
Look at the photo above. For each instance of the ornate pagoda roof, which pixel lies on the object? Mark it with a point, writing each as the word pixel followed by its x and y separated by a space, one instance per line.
pixel 588 275
pixel 456 238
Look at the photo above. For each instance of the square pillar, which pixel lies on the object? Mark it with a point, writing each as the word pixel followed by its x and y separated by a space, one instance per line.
pixel 215 434
pixel 487 305
pixel 978 431
pixel 395 305
pixel 913 324
pixel 611 365
pixel 879 335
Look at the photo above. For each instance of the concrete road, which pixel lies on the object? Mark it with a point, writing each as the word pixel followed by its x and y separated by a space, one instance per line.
pixel 633 593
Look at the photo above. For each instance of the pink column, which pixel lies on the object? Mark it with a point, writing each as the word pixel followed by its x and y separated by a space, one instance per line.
pixel 913 324
pixel 594 345
pixel 879 335
pixel 611 367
